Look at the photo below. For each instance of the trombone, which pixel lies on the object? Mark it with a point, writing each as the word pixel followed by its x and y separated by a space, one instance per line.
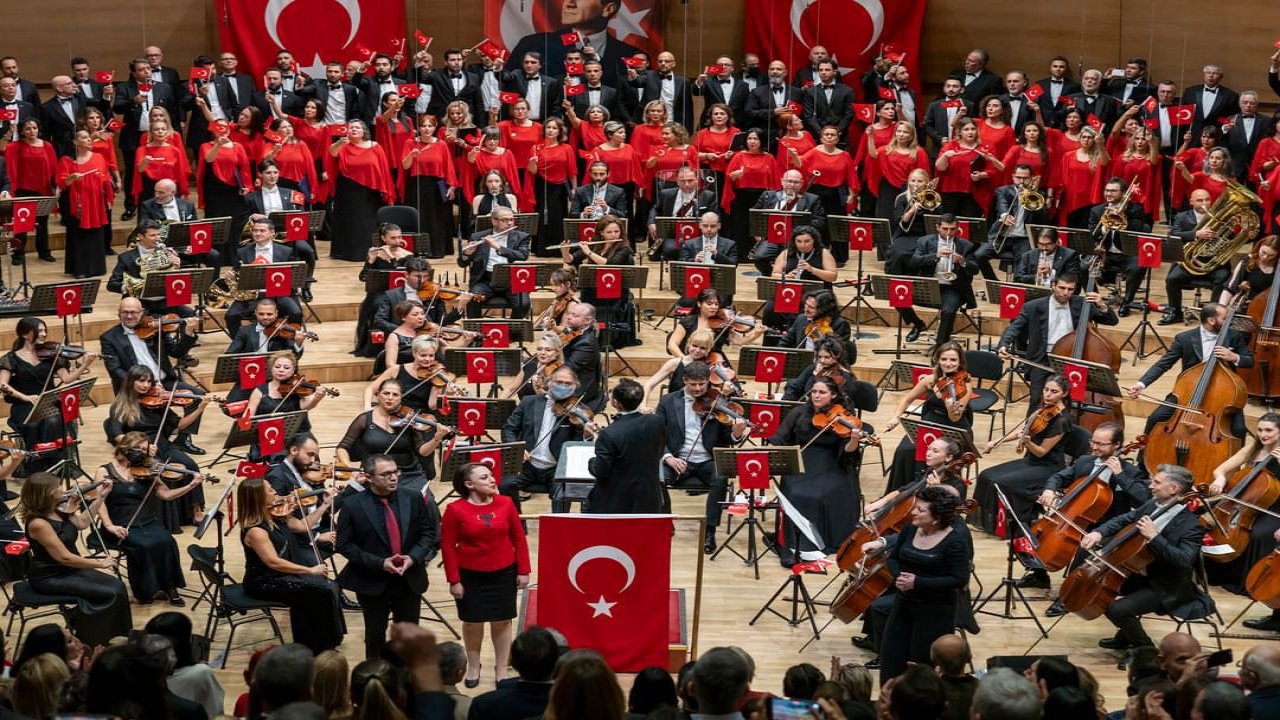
pixel 1114 217
pixel 1029 199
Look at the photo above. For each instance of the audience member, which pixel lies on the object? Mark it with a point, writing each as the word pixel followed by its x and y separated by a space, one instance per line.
pixel 453 669
pixel 1068 703
pixel 331 685
pixel 951 658
pixel 1005 695
pixel 281 677
pixel 651 689
pixel 917 695
pixel 1260 675
pixel 38 685
pixel 379 690
pixel 533 655
pixel 718 681
pixel 189 680
pixel 800 681
pixel 1224 701
pixel 584 686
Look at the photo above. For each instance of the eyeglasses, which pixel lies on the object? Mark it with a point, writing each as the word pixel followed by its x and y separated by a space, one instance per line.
pixel 388 474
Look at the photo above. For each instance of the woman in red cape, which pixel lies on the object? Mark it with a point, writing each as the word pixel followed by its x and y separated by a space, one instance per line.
pixel 223 175
pixel 312 132
pixel 794 144
pixel 1141 161
pixel 362 184
pixel 394 130
pixel 714 144
pixel 519 135
pixel 31 165
pixel 428 182
pixel 552 167
pixel 159 160
pixel 1081 177
pixel 1031 149
pixel 294 159
pixel 895 161
pixel 86 180
pixel 965 171
pixel 490 155
pixel 750 173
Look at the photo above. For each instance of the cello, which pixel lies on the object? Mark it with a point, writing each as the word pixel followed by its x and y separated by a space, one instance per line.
pixel 1263 378
pixel 1231 519
pixel 1263 581
pixel 1086 343
pixel 1086 502
pixel 1220 395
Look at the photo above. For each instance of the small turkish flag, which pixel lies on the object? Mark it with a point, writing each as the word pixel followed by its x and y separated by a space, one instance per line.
pixel 1011 301
pixel 753 471
pixel 410 91
pixel 422 38
pixel 144 87
pixel 201 237
pixel 861 236
pixel 786 297
pixel 685 231
pixel 271 436
pixel 765 420
pixel 635 63
pixel 795 108
pixel 297 198
pixel 377 337
pixel 337 129
pixel 115 125
pixel 779 229
pixel 769 366
pixel 1093 122
pixel 472 417
pixel 8 114
pixel 1002 523
pixel 199 73
pixel 1151 104
pixel 1150 252
pixel 919 372
pixel 220 127
pixel 297 227
pixel 1078 378
pixel 272 136
pixel 492 457
pixel 489 49
pixel 69 399
pixel 363 51
pixel 1034 93
pixel 924 438
pixel 586 232
pixel 887 93
pixel 253 371
pixel 901 294
pixel 962 229
pixel 68 300
pixel 177 289
pixel 24 216
pixel 953 103
pixel 864 112
pixel 104 76
pixel 524 278
pixel 571 38
pixel 608 284
pixel 280 282
pixel 695 279
pixel 1182 114
pixel 481 368
pixel 713 70
pixel 574 90
pixel 495 335
pixel 574 68
pixel 509 98
pixel 1152 123
pixel 246 469
pixel 1067 102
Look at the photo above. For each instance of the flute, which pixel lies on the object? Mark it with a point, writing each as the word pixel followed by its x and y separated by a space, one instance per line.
pixel 477 243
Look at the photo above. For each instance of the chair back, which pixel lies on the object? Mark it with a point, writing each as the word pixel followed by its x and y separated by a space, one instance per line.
pixel 865 397
pixel 406 216
pixel 984 365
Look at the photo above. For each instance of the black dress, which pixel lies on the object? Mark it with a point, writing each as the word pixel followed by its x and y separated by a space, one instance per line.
pixel 352 219
pixel 619 315
pixel 415 393
pixel 828 494
pixel 153 561
pixel 364 438
pixel 435 214
pixel 1262 541
pixel 173 513
pixel 1022 480
pixel 273 405
pixel 30 379
pixel 364 316
pixel 314 613
pixel 927 611
pixel 905 466
pixel 102 608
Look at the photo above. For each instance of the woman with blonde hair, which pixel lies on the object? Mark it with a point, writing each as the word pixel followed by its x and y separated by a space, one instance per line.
pixel 1080 180
pixel 37 688
pixel 331 685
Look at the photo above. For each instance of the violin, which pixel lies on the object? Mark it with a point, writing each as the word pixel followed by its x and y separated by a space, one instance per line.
pixel 448 332
pixel 8 450
pixel 547 320
pixel 721 410
pixel 302 387
pixel 568 335
pixel 448 293
pixel 52 350
pixel 289 331
pixel 170 472
pixel 843 423
pixel 157 398
pixel 723 374
pixel 1035 423
pixel 817 329
pixel 436 375
pixel 837 373
pixel 318 474
pixel 148 326
pixel 737 323
pixel 953 386
pixel 69 504
pixel 543 374
pixel 573 410
pixel 1084 503
pixel 416 421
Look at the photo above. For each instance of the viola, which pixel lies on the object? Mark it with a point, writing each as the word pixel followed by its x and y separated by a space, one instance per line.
pixel 148 326
pixel 302 387
pixel 842 422
pixel 1231 519
pixel 737 323
pixel 817 329
pixel 170 472
pixel 289 331
pixel 8 449
pixel 416 421
pixel 548 318
pixel 723 374
pixel 721 410
pixel 837 373
pixel 448 332
pixel 70 502
pixel 568 335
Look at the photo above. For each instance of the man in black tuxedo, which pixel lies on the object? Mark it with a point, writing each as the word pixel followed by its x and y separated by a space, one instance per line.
pixel 789 198
pixel 388 534
pixel 957 292
pixel 770 99
pixel 486 250
pixel 417 273
pixel 940 115
pixel 619 103
pixel 910 108
pixel 1044 321
pixel 285 477
pixel 828 102
pixel 26 89
pixel 1012 219
pixel 1168 586
pixel 808 75
pixel 1046 261
pixel 129 262
pixel 1243 133
pixel 1213 100
pixel 58 115
pixel 590 20
pixel 672 90
pixel 627 451
pixel 235 89
pixel 1191 347
pixel 94 93
pixel 452 83
pixel 544 94
pixel 725 89
pixel 263 249
pixel 1117 261
pixel 690 441
pixel 270 197
pixel 372 87
pixel 135 106
pixel 1022 109
pixel 1055 87
pixel 1092 101
pixel 582 354
pixel 252 337
pixel 155 58
pixel 1184 227
pixel 277 101
pixel 598 198
pixel 543 433
pixel 709 248
pixel 978 81
pixel 1134 88
pixel 166 206
pixel 11 100
pixel 684 200
pixel 341 99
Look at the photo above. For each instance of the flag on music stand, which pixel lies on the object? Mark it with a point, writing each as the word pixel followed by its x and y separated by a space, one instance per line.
pixel 177 289
pixel 1011 301
pixel 765 420
pixel 24 216
pixel 253 371
pixel 201 237
pixel 480 368
pixel 70 401
pixel 786 297
pixel 271 436
pixel 69 300
pixel 919 372
pixel 861 236
pixel 695 279
pixel 298 227
pixel 472 417
pixel 924 438
pixel 1150 252
pixel 608 284
pixel 523 279
pixel 492 457
pixel 495 335
pixel 769 366
pixel 753 471
pixel 1078 378
pixel 901 294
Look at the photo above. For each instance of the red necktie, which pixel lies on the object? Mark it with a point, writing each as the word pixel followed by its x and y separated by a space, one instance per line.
pixel 393 526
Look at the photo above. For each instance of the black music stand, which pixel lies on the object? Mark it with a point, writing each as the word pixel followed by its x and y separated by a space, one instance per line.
pixel 925 292
pixel 759 222
pixel 226 368
pixel 525 222
pixel 900 376
pixel 782 461
pixel 795 580
pixel 794 362
pixel 49 404
pixel 680 229
pixel 840 227
pixel 573 480
pixel 518 331
pixel 1009 584
pixel 44 301
pixel 1101 379
pixel 977 227
pixel 1082 241
pixel 237 437
pixel 512 461
pixel 963 437
pixel 542 273
pixel 44 206
pixel 279 220
pixel 633 276
pixel 767 289
pixel 724 278
pixel 1170 252
pixel 154 288
pixel 254 277
pixel 496 411
pixel 214 515
pixel 507 362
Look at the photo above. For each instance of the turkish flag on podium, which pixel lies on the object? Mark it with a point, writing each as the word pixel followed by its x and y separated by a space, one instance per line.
pixel 69 300
pixel 280 282
pixel 901 294
pixel 606 581
pixel 24 216
pixel 753 470
pixel 1078 378
pixel 1150 252
pixel 201 237
pixel 472 417
pixel 769 366
pixel 1011 301
pixel 697 278
pixel 480 368
pixel 271 436
pixel 786 297
pixel 924 438
pixel 608 284
pixel 779 228
pixel 177 289
pixel 253 371
pixel 495 335
pixel 524 279
pixel 70 402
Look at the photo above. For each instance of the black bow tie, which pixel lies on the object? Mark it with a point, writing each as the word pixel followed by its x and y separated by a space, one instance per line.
pixel 336 87
pixel 64 99
pixel 455 76
pixel 664 76
pixel 829 88
pixel 531 78
pixel 1211 90
pixel 1056 82
pixel 723 80
pixel 1133 82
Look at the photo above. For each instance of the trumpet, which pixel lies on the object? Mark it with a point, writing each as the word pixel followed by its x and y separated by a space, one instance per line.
pixel 1029 200
pixel 945 270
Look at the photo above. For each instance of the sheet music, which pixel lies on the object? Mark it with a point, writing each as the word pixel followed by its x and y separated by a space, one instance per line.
pixel 574 462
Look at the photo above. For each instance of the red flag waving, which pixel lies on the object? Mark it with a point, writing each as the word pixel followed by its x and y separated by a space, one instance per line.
pixel 1182 114
pixel 609 578
pixel 1034 92
pixel 1011 301
pixel 864 112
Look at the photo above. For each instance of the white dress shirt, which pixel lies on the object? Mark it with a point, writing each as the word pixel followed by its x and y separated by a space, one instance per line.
pixel 335 108
pixel 271 201
pixel 692 450
pixel 541 456
pixel 1059 320
pixel 1208 342
pixel 142 353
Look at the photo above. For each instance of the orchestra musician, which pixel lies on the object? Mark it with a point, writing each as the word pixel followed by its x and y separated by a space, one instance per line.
pixel 274 569
pixel 828 361
pixel 129 523
pixel 1118 206
pixel 548 355
pixel 1046 320
pixel 421 375
pixel 790 198
pixel 543 423
pixel 626 452
pixel 613 250
pixel 485 251
pixel 600 197
pixel 564 281
pixel 378 312
pixel 581 349
pixel 710 316
pixel 272 197
pixel 1046 260
pixel 27 371
pixel 413 320
pixel 381 432
pixel 167 207
pixel 148 253
pixel 947 257
pixel 1167 585
pixel 691 438
pixel 1185 227
pixel 949 377
pixel 907 227
pixel 697 349
pixel 263 335
pixel 819 318
pixel 1258 269
pixel 263 249
pixel 53 519
pixel 498 193
pixel 428 181
pixel 1011 225
pixel 283 393
pixel 311 516
pixel 805 258
pixel 709 248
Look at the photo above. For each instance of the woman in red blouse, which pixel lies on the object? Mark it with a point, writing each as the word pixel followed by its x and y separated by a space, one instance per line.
pixel 428 182
pixel 1081 178
pixel 894 163
pixel 313 133
pixel 31 165
pixel 1031 149
pixel 994 130
pixel 882 131
pixel 294 158
pixel 394 130
pixel 519 135
pixel 713 144
pixel 551 173
pixel 794 144
pixel 362 184
pixel 486 561
pixel 247 131
pixel 663 160
pixel 160 114
pixel 490 155
pixel 588 132
pixel 1123 129
pixel 104 141
pixel 624 168
pixel 86 181
pixel 1191 158
pixel 750 173
pixel 159 159
pixel 1267 157
pixel 1067 139
pixel 965 170
pixel 459 132
pixel 1141 161
pixel 1212 177
pixel 648 136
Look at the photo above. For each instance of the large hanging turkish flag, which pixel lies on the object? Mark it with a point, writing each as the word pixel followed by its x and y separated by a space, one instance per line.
pixel 853 31
pixel 609 577
pixel 315 32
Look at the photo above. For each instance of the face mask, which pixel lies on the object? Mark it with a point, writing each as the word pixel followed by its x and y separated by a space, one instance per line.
pixel 135 455
pixel 562 392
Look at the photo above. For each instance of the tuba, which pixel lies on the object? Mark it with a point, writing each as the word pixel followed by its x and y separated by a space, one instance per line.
pixel 158 260
pixel 1233 223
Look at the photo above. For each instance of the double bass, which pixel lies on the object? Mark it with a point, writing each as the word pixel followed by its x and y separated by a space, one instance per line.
pixel 1210 395
pixel 1263 378
pixel 1086 343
